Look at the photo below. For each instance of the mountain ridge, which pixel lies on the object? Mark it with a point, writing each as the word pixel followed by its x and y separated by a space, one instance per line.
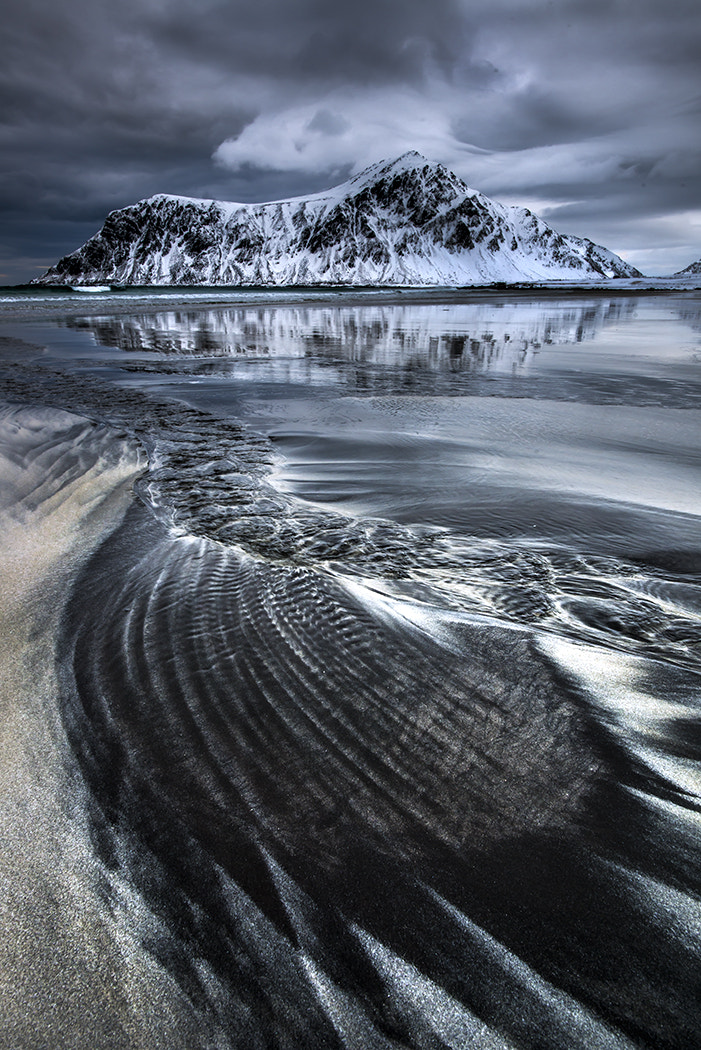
pixel 402 222
pixel 691 270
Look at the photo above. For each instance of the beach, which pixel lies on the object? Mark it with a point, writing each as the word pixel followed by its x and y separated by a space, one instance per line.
pixel 350 672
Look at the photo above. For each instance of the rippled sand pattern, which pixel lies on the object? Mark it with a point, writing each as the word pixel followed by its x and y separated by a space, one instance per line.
pixel 310 742
pixel 70 974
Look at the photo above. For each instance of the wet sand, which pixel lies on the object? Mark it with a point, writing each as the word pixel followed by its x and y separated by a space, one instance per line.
pixel 280 776
pixel 70 975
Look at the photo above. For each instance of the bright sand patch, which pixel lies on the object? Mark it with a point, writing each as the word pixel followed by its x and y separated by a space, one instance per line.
pixel 70 974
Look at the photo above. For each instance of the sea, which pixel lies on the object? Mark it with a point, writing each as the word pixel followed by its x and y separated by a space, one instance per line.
pixel 352 656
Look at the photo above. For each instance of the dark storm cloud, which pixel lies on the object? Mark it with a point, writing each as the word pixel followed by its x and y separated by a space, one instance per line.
pixel 367 41
pixel 533 116
pixel 588 107
pixel 101 104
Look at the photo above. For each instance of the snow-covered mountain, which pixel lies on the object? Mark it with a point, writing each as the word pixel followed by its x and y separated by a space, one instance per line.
pixel 406 222
pixel 692 270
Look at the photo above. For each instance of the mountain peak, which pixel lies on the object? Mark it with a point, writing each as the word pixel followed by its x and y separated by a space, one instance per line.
pixel 691 270
pixel 407 221
pixel 409 161
pixel 412 158
pixel 412 167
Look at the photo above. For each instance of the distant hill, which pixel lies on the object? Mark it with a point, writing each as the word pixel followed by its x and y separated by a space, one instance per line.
pixel 692 270
pixel 404 222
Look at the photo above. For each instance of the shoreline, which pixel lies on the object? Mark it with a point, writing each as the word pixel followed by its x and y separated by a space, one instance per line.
pixel 20 304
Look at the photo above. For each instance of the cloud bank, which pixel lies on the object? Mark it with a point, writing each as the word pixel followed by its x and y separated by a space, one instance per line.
pixel 586 110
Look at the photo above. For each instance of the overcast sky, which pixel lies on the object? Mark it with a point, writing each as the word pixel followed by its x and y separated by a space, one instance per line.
pixel 587 111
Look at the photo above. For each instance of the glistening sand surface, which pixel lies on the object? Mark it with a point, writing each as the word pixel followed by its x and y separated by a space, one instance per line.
pixel 396 746
pixel 69 976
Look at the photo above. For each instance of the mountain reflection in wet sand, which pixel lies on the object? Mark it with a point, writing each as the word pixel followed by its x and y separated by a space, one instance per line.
pixel 378 705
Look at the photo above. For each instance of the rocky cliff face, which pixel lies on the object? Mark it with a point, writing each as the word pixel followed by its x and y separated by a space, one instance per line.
pixel 407 222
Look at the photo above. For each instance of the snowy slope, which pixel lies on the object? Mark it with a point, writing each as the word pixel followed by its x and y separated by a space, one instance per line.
pixel 692 270
pixel 406 222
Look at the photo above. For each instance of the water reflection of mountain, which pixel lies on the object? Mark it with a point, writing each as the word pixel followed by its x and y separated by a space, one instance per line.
pixel 469 337
pixel 690 314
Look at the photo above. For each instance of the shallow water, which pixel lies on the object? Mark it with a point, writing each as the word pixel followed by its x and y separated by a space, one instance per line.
pixel 385 694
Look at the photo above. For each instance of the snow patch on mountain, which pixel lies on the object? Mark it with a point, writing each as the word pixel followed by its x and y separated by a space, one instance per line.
pixel 404 222
pixel 692 270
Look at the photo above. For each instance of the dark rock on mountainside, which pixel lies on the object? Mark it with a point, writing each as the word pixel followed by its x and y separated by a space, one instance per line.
pixel 692 270
pixel 406 222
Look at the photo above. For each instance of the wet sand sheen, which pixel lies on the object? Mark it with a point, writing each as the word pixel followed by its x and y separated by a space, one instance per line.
pixel 68 973
pixel 341 781
pixel 362 823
